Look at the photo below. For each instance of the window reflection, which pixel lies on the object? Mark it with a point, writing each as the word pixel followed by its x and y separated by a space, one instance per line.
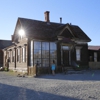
pixel 53 46
pixel 37 53
pixel 31 54
pixel 78 54
pixel 53 54
pixel 39 62
pixel 37 45
pixel 44 52
pixel 45 62
pixel 45 45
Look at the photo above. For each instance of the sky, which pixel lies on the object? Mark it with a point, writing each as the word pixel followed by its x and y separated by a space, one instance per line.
pixel 84 13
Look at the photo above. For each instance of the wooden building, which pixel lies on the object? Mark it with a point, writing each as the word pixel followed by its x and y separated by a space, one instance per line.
pixel 94 57
pixel 3 44
pixel 45 41
pixel 94 53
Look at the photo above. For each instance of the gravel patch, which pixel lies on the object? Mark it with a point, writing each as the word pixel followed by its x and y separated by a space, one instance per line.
pixel 84 86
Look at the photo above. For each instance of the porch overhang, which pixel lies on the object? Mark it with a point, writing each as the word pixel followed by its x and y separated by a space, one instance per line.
pixel 64 40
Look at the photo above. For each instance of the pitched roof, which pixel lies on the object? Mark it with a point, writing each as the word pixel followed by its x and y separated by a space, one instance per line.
pixel 5 43
pixel 49 31
pixel 72 31
pixel 39 29
pixel 93 47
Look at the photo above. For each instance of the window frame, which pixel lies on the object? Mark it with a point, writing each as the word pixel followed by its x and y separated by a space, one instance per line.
pixel 78 54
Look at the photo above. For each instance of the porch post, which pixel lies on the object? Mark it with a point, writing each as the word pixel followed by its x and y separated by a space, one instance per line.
pixel 70 55
pixel 61 55
pixel 69 58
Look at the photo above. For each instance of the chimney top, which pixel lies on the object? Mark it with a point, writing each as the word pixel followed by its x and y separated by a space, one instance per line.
pixel 46 12
pixel 60 19
pixel 47 16
pixel 70 23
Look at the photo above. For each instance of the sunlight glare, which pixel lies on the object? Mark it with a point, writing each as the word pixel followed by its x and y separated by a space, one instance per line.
pixel 21 32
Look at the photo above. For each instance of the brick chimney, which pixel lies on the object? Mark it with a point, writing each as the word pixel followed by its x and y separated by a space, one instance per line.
pixel 47 16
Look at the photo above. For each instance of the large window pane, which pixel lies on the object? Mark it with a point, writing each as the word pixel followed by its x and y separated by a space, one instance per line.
pixel 45 62
pixel 53 46
pixel 31 53
pixel 45 45
pixel 45 49
pixel 45 53
pixel 51 61
pixel 53 54
pixel 37 61
pixel 37 45
pixel 37 53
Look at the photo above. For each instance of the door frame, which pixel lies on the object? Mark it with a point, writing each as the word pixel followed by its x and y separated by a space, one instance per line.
pixel 68 48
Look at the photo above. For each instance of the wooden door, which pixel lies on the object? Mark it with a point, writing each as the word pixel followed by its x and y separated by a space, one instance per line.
pixel 66 57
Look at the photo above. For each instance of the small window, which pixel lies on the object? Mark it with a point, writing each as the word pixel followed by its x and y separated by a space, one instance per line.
pixel 23 54
pixel 95 56
pixel 78 54
pixel 18 55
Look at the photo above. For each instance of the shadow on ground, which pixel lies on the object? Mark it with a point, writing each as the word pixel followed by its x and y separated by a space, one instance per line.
pixel 8 92
pixel 93 75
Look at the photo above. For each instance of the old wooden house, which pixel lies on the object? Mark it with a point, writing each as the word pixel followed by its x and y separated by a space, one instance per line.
pixel 44 41
pixel 94 53
pixel 3 44
pixel 94 56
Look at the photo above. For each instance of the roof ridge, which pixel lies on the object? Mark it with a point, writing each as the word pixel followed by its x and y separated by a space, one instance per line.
pixel 40 21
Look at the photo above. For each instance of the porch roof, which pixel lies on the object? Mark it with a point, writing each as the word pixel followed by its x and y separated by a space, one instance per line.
pixel 93 47
pixel 5 43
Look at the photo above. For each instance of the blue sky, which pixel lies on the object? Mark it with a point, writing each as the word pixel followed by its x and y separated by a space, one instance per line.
pixel 84 13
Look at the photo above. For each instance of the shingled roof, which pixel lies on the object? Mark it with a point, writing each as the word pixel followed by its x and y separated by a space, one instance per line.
pixel 72 31
pixel 50 30
pixel 5 43
pixel 39 29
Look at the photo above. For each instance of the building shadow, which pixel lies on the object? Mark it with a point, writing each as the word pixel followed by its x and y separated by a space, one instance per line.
pixel 8 92
pixel 89 75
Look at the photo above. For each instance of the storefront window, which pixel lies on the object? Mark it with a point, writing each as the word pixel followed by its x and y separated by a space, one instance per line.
pixel 44 53
pixel 53 52
pixel 37 52
pixel 31 53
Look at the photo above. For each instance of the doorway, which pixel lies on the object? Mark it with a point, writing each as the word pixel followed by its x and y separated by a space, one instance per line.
pixel 66 57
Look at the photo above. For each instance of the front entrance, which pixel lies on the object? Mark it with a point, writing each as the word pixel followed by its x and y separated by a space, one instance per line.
pixel 66 57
